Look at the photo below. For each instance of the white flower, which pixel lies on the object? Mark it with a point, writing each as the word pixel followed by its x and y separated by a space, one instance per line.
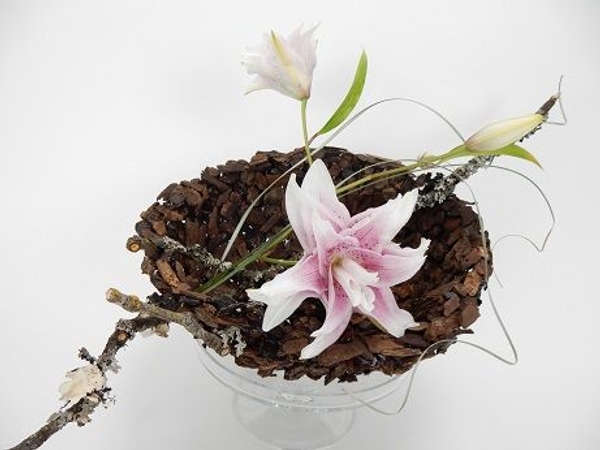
pixel 349 262
pixel 82 381
pixel 285 65
pixel 500 134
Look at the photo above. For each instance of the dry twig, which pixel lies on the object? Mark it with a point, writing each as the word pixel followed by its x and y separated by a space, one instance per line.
pixel 150 317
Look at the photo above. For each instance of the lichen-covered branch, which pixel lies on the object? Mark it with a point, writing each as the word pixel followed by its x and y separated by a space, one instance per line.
pixel 79 413
pixel 170 245
pixel 150 317
pixel 445 186
pixel 132 303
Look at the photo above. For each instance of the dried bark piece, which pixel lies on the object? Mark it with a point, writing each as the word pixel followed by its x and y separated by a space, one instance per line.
pixel 441 327
pixel 170 276
pixel 342 352
pixel 452 304
pixel 469 315
pixel 294 346
pixel 472 283
pixel 389 346
pixel 159 227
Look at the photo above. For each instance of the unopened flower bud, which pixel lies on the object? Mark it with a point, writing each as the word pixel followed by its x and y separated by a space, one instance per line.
pixel 500 134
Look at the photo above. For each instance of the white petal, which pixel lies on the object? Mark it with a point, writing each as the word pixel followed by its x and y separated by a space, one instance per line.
pixel 299 212
pixel 355 281
pixel 295 73
pixel 316 196
pixel 500 134
pixel 388 315
pixel 338 313
pixel 323 341
pixel 284 293
pixel 318 187
pixel 395 264
pixel 306 46
pixel 377 226
pixel 329 244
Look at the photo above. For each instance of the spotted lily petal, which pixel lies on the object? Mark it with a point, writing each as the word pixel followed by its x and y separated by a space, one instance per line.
pixel 320 193
pixel 329 244
pixel 395 264
pixel 317 196
pixel 377 226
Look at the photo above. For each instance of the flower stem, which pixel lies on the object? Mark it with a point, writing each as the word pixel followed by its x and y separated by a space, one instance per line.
pixel 423 162
pixel 305 131
pixel 280 262
pixel 261 250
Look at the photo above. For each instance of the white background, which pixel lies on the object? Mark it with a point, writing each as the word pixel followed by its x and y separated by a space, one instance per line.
pixel 103 104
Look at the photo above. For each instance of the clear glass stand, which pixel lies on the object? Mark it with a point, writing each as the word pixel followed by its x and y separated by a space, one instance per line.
pixel 295 415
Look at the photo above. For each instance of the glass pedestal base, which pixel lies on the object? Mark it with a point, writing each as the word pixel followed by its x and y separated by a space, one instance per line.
pixel 295 415
pixel 292 428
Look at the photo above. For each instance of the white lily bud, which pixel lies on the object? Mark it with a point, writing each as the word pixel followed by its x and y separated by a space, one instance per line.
pixel 500 134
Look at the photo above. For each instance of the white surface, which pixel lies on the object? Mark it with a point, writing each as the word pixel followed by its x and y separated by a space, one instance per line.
pixel 102 104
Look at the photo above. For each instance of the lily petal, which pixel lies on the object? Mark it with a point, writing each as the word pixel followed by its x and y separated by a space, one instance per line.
pixel 284 293
pixel 305 46
pixel 388 315
pixel 329 243
pixel 395 264
pixel 316 196
pixel 339 311
pixel 355 280
pixel 376 226
pixel 320 191
pixel 299 212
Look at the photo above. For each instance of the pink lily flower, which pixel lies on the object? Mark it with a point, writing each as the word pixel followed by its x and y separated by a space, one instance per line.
pixel 349 262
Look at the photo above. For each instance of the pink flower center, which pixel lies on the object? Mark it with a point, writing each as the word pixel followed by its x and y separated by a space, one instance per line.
pixel 355 280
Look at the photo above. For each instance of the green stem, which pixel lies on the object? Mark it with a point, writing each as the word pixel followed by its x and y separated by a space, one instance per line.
pixel 279 262
pixel 423 162
pixel 305 131
pixel 244 262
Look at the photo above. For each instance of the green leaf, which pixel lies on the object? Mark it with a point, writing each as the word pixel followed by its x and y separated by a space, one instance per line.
pixel 510 150
pixel 517 152
pixel 351 98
